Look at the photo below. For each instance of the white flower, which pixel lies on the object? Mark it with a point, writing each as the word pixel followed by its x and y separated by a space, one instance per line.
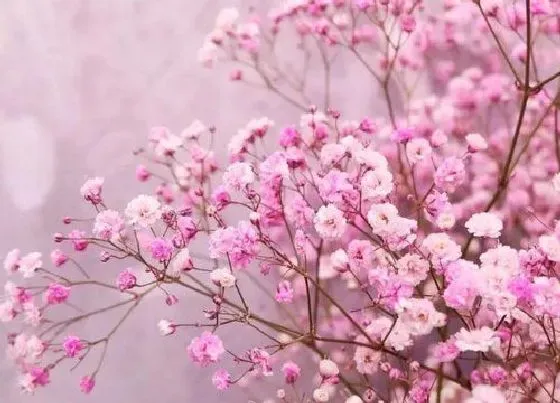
pixel 144 211
pixel 330 222
pixel 194 130
pixel 34 347
pixel 165 327
pixel 476 340
pixel 30 263
pixel 354 399
pixel 321 395
pixel 11 261
pixel 485 225
pixel 550 246
pixel 181 262
pixel 223 278
pixel 237 176
pixel 339 260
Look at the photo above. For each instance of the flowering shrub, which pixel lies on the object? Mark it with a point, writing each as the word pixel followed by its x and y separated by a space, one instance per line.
pixel 411 255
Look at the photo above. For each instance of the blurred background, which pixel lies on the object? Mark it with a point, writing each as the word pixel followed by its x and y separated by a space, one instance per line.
pixel 82 83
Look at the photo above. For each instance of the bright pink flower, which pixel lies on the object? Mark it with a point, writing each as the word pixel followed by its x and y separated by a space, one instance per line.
pixel 57 294
pixel 72 346
pixel 79 240
pixel 161 249
pixel 87 383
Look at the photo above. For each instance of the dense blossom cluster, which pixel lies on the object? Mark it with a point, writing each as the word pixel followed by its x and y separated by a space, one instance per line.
pixel 410 255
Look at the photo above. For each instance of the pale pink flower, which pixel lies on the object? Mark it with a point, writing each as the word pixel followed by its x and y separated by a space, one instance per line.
pixel 194 130
pixel 223 277
pixel 29 264
pixel 413 268
pixel 442 247
pixel 550 245
pixel 556 182
pixel 329 222
pixel 143 211
pixel 419 316
pixel 181 262
pixel 205 349
pixel 58 257
pixel 321 395
pixel 367 360
pixel 328 368
pixel 486 394
pixel 376 184
pixel 109 225
pixel 418 150
pixel 284 292
pixel 482 339
pixel 11 261
pixel 7 311
pixel 476 142
pixel 91 190
pixel 238 176
pixel 380 217
pixel 221 379
pixel 166 327
pixel 450 174
pixel 339 260
pixel 226 19
pixel 486 225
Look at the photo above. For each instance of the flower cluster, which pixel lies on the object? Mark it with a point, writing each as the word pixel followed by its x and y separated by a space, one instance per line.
pixel 406 256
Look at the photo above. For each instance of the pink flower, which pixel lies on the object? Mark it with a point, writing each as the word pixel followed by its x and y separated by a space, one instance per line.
pixel 58 258
pixel 91 190
pixel 221 379
pixel 419 316
pixel 482 339
pixel 109 225
pixel 126 280
pixel 33 378
pixel 262 359
pixel 87 383
pixel 161 249
pixel 238 176
pixel 284 292
pixel 205 349
pixel 484 225
pixel 142 173
pixel 450 174
pixel 57 294
pixel 78 239
pixel 291 372
pixel 290 137
pixel 330 222
pixel 72 346
pixel 223 277
pixel 240 244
